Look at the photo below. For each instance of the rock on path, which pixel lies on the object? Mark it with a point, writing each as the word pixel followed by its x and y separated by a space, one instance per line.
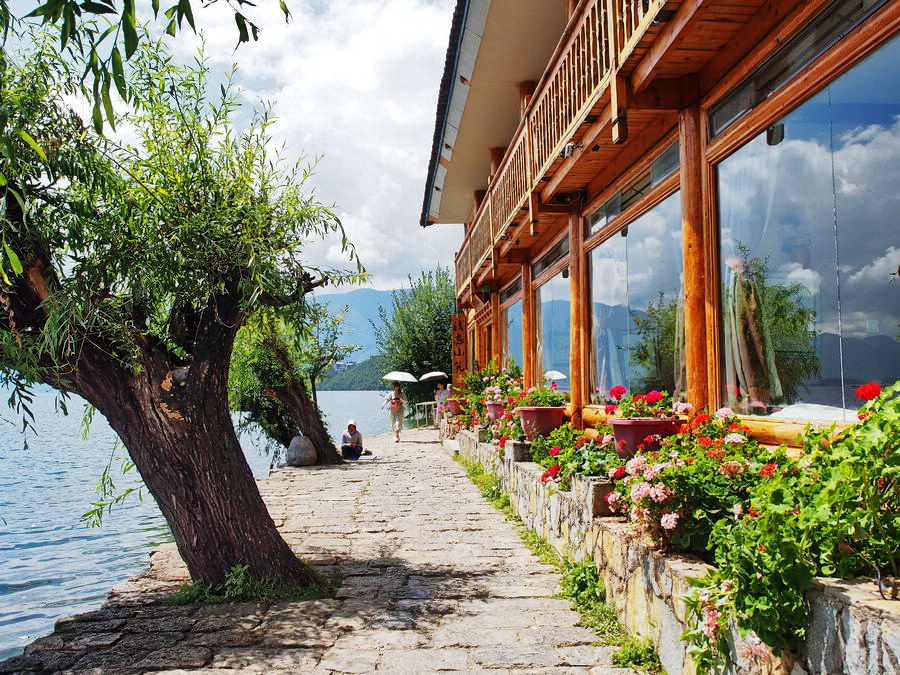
pixel 434 579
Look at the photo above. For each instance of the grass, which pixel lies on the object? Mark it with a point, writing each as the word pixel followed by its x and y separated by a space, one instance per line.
pixel 241 586
pixel 581 583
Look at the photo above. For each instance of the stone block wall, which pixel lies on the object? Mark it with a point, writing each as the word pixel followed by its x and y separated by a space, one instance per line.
pixel 852 630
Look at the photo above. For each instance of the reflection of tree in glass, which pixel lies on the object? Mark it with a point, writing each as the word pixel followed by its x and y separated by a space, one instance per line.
pixel 656 351
pixel 769 332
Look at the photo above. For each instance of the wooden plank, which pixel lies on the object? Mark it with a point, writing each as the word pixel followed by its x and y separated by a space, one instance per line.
pixel 690 146
pixel 587 140
pixel 496 346
pixel 713 288
pixel 527 327
pixel 577 352
pixel 676 30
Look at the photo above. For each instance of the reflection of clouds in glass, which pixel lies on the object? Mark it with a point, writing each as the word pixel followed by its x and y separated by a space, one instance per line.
pixel 609 285
pixel 878 272
pixel 795 273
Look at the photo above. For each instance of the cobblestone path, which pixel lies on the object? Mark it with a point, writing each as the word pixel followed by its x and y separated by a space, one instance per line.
pixel 434 578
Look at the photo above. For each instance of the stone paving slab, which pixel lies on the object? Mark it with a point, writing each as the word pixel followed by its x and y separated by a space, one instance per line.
pixel 434 580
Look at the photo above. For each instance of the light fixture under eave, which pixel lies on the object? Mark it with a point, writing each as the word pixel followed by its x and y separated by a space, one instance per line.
pixel 569 149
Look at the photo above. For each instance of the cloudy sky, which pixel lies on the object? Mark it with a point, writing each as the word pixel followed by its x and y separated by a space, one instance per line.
pixel 355 83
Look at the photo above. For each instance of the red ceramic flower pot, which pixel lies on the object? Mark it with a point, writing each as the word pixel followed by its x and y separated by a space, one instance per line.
pixel 633 430
pixel 494 409
pixel 453 406
pixel 540 420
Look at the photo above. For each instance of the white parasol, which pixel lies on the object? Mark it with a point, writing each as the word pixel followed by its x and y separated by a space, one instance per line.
pixel 554 375
pixel 399 376
pixel 433 375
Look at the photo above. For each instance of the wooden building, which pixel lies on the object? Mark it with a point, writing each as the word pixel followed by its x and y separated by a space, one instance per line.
pixel 696 195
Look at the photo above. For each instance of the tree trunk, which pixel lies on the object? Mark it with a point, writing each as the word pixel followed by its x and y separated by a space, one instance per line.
pixel 182 441
pixel 306 415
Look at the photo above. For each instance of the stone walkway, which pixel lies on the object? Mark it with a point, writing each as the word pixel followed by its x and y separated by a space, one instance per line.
pixel 434 578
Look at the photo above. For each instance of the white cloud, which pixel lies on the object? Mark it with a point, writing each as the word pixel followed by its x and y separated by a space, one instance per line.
pixel 354 83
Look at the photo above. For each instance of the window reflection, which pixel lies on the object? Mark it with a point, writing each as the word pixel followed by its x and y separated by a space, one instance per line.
pixel 637 310
pixel 511 324
pixel 809 247
pixel 551 306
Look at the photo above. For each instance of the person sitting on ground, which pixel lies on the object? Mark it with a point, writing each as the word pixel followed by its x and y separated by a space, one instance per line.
pixel 397 400
pixel 352 442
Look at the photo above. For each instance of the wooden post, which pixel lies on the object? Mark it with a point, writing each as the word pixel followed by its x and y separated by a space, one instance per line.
pixel 690 143
pixel 526 90
pixel 496 335
pixel 527 327
pixel 478 197
pixel 577 352
pixel 459 348
pixel 496 159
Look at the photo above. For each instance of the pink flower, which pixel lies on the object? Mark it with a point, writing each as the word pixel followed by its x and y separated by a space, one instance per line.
pixel 635 465
pixel 617 392
pixel 710 621
pixel 724 413
pixel 734 438
pixel 681 407
pixel 608 438
pixel 617 473
pixel 660 493
pixel 611 408
pixel 639 491
pixel 669 521
pixel 755 650
pixel 732 468
pixel 612 499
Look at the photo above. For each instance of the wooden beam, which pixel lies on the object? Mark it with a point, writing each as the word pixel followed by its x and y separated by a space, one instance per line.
pixel 496 346
pixel 526 91
pixel 663 94
pixel 518 256
pixel 669 39
pixel 577 352
pixel 527 327
pixel 691 149
pixel 619 104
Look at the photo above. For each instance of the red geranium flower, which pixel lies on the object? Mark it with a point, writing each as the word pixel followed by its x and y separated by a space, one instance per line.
pixel 868 391
pixel 550 473
pixel 684 429
pixel 639 397
pixel 700 419
pixel 620 473
pixel 503 440
pixel 768 470
pixel 610 409
pixel 554 451
pixel 617 392
pixel 653 396
pixel 761 548
pixel 752 512
pixel 705 441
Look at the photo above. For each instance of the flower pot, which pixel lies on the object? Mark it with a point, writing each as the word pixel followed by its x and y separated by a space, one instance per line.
pixel 453 406
pixel 540 420
pixel 494 409
pixel 633 430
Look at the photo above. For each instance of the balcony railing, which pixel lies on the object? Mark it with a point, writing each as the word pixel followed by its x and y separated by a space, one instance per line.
pixel 576 77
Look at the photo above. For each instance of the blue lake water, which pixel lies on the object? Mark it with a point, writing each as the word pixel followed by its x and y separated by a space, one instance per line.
pixel 51 565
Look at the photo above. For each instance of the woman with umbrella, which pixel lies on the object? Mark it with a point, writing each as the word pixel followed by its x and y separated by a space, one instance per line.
pixel 397 400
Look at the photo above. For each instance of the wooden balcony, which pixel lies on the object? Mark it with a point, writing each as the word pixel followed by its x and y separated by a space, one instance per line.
pixel 575 86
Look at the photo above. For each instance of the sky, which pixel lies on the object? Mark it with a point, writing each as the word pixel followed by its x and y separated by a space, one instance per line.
pixel 354 83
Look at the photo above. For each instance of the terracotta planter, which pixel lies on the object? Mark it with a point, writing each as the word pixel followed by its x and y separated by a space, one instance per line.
pixel 633 430
pixel 453 406
pixel 494 409
pixel 540 420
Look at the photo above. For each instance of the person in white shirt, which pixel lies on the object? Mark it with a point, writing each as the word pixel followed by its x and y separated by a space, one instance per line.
pixel 397 400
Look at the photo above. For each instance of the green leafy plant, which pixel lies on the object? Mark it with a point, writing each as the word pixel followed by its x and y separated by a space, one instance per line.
pixel 242 585
pixel 544 396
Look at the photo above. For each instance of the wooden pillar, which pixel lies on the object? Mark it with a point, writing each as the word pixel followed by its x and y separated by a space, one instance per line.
pixel 496 158
pixel 577 353
pixel 526 90
pixel 496 334
pixel 694 258
pixel 527 327
pixel 570 7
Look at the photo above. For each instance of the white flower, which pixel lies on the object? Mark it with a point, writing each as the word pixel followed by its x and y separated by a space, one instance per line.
pixel 734 438
pixel 681 407
pixel 724 413
pixel 737 510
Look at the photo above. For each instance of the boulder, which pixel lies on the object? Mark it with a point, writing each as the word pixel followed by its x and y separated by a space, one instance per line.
pixel 301 452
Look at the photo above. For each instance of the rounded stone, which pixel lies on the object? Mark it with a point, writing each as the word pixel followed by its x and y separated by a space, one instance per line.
pixel 301 452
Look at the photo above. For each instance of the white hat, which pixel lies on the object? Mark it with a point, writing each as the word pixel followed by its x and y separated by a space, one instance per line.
pixel 351 423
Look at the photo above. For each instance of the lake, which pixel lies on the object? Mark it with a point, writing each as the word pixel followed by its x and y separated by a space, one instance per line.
pixel 51 565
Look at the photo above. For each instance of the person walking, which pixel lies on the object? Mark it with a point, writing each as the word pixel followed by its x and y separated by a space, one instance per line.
pixel 396 400
pixel 440 395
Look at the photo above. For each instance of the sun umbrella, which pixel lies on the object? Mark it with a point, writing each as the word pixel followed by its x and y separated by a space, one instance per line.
pixel 554 375
pixel 399 376
pixel 433 375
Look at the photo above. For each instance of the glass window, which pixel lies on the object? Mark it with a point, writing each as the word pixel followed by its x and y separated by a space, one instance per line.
pixel 809 250
pixel 511 323
pixel 550 257
pixel 637 305
pixel 552 319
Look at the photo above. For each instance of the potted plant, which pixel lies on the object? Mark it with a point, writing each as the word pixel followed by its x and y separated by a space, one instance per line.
pixel 541 410
pixel 641 421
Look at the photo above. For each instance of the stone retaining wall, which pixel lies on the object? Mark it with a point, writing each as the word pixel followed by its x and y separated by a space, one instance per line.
pixel 852 629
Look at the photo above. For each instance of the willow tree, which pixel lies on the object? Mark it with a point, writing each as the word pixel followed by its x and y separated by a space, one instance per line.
pixel 278 358
pixel 127 272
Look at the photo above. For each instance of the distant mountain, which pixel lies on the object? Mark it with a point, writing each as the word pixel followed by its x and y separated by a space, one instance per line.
pixel 364 304
pixel 362 376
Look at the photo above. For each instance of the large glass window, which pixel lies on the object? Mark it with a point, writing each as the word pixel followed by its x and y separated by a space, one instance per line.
pixel 551 306
pixel 637 308
pixel 809 249
pixel 511 323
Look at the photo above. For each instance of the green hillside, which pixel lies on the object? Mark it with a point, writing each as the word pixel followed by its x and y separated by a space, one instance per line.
pixel 364 375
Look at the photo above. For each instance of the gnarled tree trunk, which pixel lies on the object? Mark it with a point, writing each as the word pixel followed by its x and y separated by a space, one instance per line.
pixel 306 416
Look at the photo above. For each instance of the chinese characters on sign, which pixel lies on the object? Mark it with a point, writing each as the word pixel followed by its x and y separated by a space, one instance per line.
pixel 458 321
